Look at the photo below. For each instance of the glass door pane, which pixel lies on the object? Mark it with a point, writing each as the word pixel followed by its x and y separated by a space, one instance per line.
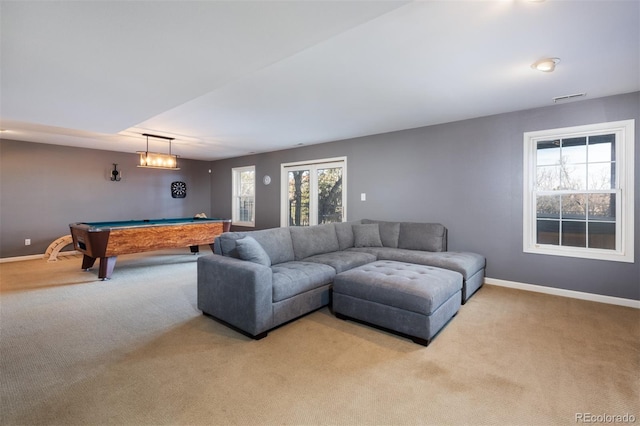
pixel 329 195
pixel 313 193
pixel 299 196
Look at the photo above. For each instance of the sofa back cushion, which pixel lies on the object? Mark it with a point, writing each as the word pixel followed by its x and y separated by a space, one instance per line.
pixel 344 232
pixel 251 250
pixel 422 236
pixel 389 232
pixel 276 242
pixel 225 244
pixel 311 240
pixel 366 235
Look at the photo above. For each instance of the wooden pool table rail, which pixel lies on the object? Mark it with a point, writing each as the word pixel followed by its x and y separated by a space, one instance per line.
pixel 107 244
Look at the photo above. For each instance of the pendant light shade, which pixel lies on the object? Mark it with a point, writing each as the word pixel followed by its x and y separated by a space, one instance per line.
pixel 156 160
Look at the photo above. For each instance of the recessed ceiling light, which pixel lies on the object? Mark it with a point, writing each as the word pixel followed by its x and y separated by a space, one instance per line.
pixel 546 64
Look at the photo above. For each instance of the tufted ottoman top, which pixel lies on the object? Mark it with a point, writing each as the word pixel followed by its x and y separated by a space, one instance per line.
pixel 416 288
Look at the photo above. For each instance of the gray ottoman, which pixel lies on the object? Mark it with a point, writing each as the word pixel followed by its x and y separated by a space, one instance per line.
pixel 415 301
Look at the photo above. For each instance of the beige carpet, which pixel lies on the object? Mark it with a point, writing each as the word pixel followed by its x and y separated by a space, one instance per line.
pixel 135 350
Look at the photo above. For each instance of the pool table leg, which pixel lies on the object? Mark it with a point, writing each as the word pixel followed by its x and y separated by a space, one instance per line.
pixel 87 262
pixel 106 267
pixel 196 249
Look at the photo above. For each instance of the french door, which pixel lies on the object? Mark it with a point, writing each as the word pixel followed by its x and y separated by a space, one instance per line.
pixel 313 192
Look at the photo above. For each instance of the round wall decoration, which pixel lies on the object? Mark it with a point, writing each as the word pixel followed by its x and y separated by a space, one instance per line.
pixel 178 189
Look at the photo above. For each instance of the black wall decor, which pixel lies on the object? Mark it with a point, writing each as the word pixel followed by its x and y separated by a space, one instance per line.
pixel 178 189
pixel 116 176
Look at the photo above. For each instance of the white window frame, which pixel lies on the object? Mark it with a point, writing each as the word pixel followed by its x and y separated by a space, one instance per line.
pixel 313 166
pixel 624 190
pixel 235 178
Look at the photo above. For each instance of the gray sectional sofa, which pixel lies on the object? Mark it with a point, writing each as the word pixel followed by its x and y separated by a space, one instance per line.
pixel 258 280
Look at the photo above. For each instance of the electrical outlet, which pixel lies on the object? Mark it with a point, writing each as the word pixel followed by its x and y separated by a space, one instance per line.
pixel 363 197
pixel 27 241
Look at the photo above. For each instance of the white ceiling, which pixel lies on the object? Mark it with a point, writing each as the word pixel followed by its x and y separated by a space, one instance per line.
pixel 227 78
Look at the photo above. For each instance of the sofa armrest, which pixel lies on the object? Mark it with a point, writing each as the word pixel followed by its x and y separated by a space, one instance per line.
pixel 237 292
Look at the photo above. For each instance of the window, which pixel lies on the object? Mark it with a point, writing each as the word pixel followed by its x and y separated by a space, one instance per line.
pixel 244 191
pixel 578 191
pixel 313 192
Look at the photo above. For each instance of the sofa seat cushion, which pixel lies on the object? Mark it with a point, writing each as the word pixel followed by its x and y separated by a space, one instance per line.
pixel 463 262
pixel 378 252
pixel 342 260
pixel 293 278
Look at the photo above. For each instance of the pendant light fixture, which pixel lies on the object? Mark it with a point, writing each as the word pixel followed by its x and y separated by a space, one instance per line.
pixel 155 160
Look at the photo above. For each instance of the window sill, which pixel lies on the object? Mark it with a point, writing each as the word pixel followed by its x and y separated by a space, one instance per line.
pixel 244 224
pixel 593 254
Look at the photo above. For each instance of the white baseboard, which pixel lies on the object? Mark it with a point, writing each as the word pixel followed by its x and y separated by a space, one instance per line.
pixel 630 303
pixel 35 256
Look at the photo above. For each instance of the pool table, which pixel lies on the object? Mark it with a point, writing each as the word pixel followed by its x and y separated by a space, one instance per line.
pixel 107 240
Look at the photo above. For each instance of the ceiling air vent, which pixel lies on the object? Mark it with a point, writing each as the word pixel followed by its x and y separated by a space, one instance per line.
pixel 567 97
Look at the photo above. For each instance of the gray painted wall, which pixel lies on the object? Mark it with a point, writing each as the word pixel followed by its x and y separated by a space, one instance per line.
pixel 43 188
pixel 466 175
